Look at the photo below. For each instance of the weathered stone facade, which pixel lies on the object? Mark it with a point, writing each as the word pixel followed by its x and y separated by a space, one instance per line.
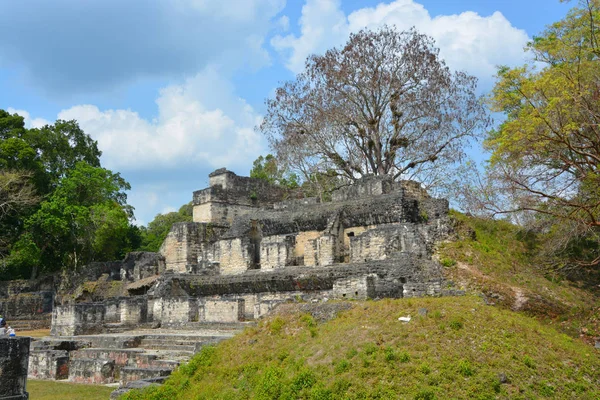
pixel 248 249
pixel 14 359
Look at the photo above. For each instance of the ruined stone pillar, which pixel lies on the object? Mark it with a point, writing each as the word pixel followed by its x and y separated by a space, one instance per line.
pixel 14 360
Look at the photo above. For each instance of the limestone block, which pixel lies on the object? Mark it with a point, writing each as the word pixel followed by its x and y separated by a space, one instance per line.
pixel 77 319
pixel 276 251
pixel 175 311
pixel 181 247
pixel 14 360
pixel 134 310
pixel 48 364
pixel 326 250
pixel 311 252
pixel 224 310
pixel 359 288
pixel 113 310
pixel 234 257
pixel 92 371
pixel 302 238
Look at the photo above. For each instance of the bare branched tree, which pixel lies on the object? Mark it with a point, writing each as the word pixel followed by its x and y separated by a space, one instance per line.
pixel 16 192
pixel 385 103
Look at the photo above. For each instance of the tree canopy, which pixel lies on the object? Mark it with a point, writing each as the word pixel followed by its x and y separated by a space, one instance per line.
pixel 157 230
pixel 546 155
pixel 58 207
pixel 385 103
pixel 267 168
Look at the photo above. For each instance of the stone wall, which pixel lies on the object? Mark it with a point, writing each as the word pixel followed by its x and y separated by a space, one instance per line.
pixel 49 364
pixel 357 288
pixel 380 242
pixel 182 247
pixel 175 310
pixel 366 187
pixel 14 361
pixel 134 310
pixel 230 196
pixel 78 319
pixel 223 310
pixel 234 256
pixel 142 264
pixel 27 305
pixel 277 251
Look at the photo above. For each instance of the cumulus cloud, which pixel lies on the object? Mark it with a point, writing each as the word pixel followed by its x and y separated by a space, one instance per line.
pixel 29 122
pixel 69 46
pixel 200 122
pixel 467 41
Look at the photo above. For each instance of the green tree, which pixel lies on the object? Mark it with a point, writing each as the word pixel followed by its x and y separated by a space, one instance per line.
pixel 17 197
pixel 155 233
pixel 268 169
pixel 85 219
pixel 48 152
pixel 44 164
pixel 546 155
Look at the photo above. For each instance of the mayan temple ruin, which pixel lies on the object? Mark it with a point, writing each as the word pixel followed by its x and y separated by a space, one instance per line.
pixel 248 249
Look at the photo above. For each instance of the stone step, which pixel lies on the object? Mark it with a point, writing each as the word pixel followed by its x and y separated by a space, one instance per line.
pixel 127 357
pixel 121 357
pixel 58 343
pixel 92 371
pixel 171 355
pixel 149 341
pixel 129 374
pixel 141 384
pixel 29 324
pixel 121 328
pixel 191 348
pixel 219 326
pixel 113 341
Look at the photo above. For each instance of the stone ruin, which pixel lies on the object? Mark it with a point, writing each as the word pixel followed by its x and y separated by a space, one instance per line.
pixel 14 352
pixel 248 249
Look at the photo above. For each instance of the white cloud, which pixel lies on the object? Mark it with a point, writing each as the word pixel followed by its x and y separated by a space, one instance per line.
pixel 72 46
pixel 284 23
pixel 200 122
pixel 168 209
pixel 29 122
pixel 467 41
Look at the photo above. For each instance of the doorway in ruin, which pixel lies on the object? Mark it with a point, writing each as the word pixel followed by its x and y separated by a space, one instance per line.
pixel 255 237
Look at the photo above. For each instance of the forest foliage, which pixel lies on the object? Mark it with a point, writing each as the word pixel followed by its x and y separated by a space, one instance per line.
pixel 59 209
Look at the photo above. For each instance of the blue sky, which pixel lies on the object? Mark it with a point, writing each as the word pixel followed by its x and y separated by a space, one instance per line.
pixel 172 90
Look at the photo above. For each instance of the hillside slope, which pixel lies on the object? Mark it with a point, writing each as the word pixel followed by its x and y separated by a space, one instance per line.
pixel 499 261
pixel 461 348
pixel 517 334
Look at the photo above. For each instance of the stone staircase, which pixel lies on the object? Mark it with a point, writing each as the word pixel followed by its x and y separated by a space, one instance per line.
pixel 143 354
pixel 43 322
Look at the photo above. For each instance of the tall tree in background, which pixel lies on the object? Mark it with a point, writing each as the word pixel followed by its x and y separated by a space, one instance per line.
pixel 157 230
pixel 267 168
pixel 546 154
pixel 58 207
pixel 385 103
pixel 85 219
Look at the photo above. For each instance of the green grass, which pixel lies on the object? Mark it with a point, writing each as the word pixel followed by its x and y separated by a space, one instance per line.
pixel 51 390
pixel 496 257
pixel 458 351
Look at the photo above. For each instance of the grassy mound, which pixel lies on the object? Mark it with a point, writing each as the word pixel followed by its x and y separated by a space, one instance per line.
pixel 499 259
pixel 457 348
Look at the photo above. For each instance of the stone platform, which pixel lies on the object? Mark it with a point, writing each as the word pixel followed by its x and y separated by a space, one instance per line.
pixel 124 357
